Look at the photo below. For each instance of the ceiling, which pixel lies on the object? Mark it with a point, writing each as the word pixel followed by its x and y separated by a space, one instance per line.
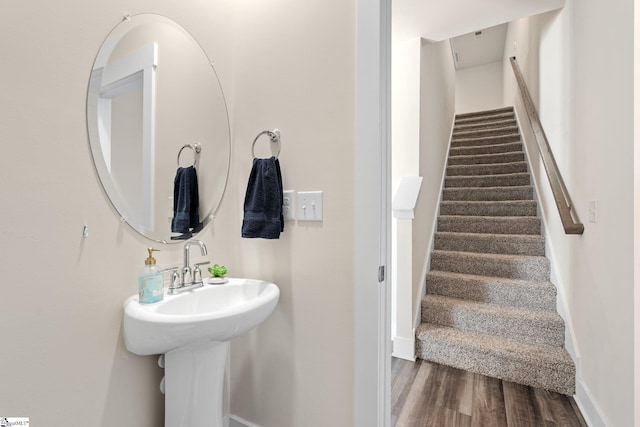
pixel 436 20
pixel 479 47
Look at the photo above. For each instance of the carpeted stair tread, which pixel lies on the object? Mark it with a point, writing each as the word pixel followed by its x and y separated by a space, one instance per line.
pixel 526 267
pixel 524 192
pixel 476 159
pixel 503 130
pixel 538 366
pixel 489 224
pixel 499 180
pixel 509 147
pixel 487 169
pixel 485 140
pixel 485 113
pixel 495 290
pixel 510 244
pixel 489 208
pixel 518 324
pixel 486 117
pixel 487 123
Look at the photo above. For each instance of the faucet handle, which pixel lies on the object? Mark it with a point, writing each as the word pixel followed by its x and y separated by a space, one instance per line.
pixel 197 275
pixel 175 277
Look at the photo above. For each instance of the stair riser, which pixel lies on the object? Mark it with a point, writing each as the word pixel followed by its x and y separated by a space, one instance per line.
pixel 485 124
pixel 490 169
pixel 521 329
pixel 492 225
pixel 508 245
pixel 488 140
pixel 487 194
pixel 526 268
pixel 477 150
pixel 515 208
pixel 506 180
pixel 542 298
pixel 506 130
pixel 486 149
pixel 484 115
pixel 486 159
pixel 554 377
pixel 484 118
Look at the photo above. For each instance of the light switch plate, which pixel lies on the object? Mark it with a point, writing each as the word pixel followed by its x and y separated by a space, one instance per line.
pixel 309 205
pixel 288 206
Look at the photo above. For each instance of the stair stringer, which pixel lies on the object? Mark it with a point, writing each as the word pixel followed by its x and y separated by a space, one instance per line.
pixel 432 237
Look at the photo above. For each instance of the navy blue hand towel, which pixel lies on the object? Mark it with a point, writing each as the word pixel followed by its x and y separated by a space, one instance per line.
pixel 185 200
pixel 263 201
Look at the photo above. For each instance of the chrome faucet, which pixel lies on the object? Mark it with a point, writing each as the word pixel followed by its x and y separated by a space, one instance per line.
pixel 186 269
pixel 186 278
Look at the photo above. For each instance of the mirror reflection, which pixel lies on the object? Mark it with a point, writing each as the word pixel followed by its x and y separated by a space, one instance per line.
pixel 158 128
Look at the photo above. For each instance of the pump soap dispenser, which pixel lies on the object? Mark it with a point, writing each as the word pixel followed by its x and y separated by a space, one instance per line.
pixel 150 281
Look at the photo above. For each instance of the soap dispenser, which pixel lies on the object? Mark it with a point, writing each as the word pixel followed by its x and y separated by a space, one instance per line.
pixel 150 288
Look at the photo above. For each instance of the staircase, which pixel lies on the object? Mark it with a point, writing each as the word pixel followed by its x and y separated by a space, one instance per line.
pixel 490 307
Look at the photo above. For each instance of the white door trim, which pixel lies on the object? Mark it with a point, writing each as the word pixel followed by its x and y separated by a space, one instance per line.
pixel 372 335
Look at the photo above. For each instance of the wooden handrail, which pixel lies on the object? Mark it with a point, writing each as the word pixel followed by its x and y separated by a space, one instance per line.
pixel 568 215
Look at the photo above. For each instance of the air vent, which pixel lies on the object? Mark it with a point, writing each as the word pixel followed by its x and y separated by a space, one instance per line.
pixel 478 34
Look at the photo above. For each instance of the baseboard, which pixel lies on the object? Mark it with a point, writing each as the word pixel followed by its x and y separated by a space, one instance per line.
pixel 405 348
pixel 236 421
pixel 591 412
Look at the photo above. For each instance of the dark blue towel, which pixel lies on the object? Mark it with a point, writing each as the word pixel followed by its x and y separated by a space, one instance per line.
pixel 263 201
pixel 185 200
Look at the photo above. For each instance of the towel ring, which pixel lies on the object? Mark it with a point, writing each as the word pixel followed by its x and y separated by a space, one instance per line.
pixel 274 136
pixel 196 151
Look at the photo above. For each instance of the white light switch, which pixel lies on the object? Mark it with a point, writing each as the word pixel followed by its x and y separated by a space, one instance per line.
pixel 309 205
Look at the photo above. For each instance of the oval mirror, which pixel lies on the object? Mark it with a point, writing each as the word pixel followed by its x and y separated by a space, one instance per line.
pixel 156 110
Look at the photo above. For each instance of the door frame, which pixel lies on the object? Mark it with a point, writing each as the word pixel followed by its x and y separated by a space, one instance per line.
pixel 372 222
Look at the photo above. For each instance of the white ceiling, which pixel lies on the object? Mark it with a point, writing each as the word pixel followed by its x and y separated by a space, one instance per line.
pixel 479 47
pixel 437 20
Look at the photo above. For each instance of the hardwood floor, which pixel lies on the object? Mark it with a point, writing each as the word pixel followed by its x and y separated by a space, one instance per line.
pixel 427 394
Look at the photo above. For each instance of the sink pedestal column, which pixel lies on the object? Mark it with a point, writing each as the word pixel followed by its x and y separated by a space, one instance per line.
pixel 193 378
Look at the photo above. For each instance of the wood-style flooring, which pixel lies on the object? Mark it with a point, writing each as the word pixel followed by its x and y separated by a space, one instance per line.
pixel 427 394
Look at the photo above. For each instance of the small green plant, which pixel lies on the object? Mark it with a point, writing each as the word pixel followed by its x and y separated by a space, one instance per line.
pixel 218 270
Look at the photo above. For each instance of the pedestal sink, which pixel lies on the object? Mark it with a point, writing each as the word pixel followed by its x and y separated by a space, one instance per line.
pixel 193 330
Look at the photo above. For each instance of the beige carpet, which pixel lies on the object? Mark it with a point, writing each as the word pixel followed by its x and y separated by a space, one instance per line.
pixel 490 307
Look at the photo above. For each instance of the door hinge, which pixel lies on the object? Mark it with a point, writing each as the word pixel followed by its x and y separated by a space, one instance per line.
pixel 381 274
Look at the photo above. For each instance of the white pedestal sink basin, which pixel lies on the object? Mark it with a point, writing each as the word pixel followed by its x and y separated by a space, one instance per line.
pixel 192 330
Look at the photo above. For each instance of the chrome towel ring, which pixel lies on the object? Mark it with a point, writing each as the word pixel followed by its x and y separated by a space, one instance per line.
pixel 196 151
pixel 274 136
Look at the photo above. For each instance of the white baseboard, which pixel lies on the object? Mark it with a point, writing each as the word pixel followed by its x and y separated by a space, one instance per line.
pixel 591 412
pixel 405 348
pixel 236 421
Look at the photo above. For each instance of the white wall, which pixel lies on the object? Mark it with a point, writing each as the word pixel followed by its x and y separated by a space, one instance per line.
pixel 63 358
pixel 405 104
pixel 437 104
pixel 581 82
pixel 479 88
pixel 292 73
